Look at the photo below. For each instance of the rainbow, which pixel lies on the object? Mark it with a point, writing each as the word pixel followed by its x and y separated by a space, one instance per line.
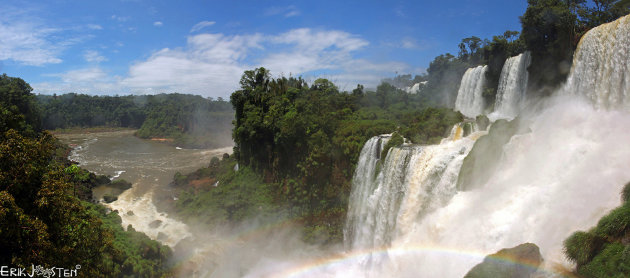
pixel 319 265
pixel 341 261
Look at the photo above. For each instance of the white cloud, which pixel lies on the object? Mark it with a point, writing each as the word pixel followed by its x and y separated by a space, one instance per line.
pixel 201 25
pixel 120 18
pixel 93 56
pixel 28 43
pixel 91 80
pixel 95 27
pixel 409 43
pixel 212 64
pixel 313 50
pixel 158 23
pixel 288 11
pixel 82 76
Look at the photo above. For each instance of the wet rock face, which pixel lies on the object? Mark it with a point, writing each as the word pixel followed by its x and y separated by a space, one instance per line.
pixel 516 262
pixel 155 224
pixel 485 155
pixel 109 198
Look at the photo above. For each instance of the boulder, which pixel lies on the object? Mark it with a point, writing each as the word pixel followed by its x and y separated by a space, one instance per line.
pixel 516 262
pixel 155 224
pixel 109 198
pixel 485 155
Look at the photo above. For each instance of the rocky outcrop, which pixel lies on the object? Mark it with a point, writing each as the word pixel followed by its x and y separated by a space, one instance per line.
pixel 520 261
pixel 485 155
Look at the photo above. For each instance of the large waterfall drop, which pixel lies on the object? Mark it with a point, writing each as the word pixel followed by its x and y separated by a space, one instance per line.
pixel 512 86
pixel 560 177
pixel 412 181
pixel 601 70
pixel 469 97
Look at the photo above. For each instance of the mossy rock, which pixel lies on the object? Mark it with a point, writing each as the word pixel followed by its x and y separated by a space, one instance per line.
pixel 120 184
pixel 520 261
pixel 394 141
pixel 108 198
pixel 485 155
pixel 482 122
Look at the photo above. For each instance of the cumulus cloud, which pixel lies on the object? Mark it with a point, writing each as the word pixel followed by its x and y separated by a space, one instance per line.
pixel 158 23
pixel 201 25
pixel 93 56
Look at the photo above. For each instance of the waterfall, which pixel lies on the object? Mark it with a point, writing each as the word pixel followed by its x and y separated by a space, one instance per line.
pixel 412 181
pixel 413 89
pixel 561 176
pixel 469 97
pixel 362 187
pixel 512 86
pixel 601 66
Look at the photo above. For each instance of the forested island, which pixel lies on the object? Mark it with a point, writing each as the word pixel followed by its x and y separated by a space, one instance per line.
pixel 296 150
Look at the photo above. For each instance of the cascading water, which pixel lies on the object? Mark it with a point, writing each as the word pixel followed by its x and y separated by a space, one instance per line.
pixel 560 177
pixel 601 70
pixel 412 181
pixel 359 212
pixel 512 86
pixel 469 97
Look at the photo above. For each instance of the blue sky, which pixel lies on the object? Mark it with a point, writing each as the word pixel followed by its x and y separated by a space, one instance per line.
pixel 203 47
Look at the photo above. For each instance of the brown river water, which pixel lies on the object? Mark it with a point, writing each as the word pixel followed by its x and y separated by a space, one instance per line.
pixel 149 166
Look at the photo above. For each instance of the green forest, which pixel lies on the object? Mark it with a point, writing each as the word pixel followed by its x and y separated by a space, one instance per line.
pixel 46 212
pixel 185 120
pixel 296 149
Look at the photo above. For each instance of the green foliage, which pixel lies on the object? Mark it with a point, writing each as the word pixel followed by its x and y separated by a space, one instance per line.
pixel 581 247
pixel 395 141
pixel 18 109
pixel 225 197
pixel 189 121
pixel 602 11
pixel 612 261
pixel 616 224
pixel 625 193
pixel 306 139
pixel 42 218
pixel 132 254
pixel 444 76
pixel 549 32
pixel 604 250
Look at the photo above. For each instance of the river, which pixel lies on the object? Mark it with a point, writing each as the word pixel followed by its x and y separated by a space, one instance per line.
pixel 149 166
